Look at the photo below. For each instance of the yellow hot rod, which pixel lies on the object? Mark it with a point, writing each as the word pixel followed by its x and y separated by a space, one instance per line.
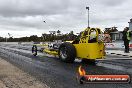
pixel 88 47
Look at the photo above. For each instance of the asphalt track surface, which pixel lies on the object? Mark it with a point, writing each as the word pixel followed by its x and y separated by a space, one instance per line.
pixel 56 74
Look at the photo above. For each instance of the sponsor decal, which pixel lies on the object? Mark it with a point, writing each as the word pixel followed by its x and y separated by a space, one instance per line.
pixel 82 78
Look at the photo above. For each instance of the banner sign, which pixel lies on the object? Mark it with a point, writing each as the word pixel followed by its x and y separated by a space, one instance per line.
pixel 116 45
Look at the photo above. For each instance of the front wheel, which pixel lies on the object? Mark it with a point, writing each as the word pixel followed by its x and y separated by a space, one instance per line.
pixel 67 52
pixel 34 50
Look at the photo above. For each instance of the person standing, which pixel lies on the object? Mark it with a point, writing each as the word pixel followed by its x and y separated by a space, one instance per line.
pixel 126 39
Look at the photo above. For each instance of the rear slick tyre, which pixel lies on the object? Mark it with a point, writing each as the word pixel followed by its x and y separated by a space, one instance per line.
pixel 67 52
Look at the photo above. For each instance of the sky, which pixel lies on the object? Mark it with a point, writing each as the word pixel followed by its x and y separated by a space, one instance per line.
pixel 25 17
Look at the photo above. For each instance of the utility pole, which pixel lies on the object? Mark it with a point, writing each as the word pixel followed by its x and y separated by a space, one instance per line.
pixel 88 16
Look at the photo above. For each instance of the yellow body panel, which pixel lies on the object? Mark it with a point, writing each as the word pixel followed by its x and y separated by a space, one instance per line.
pixel 51 52
pixel 87 50
pixel 90 50
pixel 69 41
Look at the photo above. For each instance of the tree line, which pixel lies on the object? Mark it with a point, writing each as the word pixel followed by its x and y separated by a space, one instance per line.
pixel 53 35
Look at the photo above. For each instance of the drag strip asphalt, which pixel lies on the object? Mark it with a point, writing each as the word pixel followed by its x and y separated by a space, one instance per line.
pixel 57 74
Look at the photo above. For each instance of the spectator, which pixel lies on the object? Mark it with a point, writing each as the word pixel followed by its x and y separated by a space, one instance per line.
pixel 126 38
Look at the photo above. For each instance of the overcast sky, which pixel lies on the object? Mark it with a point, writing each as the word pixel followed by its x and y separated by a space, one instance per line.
pixel 25 17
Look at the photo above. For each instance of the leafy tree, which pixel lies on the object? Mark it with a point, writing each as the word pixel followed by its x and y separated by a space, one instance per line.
pixel 34 38
pixel 58 32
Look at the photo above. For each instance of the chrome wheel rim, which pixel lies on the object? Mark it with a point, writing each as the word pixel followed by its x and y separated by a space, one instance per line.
pixel 63 53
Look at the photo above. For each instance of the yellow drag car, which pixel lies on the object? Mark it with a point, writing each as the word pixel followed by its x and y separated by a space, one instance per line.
pixel 88 47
